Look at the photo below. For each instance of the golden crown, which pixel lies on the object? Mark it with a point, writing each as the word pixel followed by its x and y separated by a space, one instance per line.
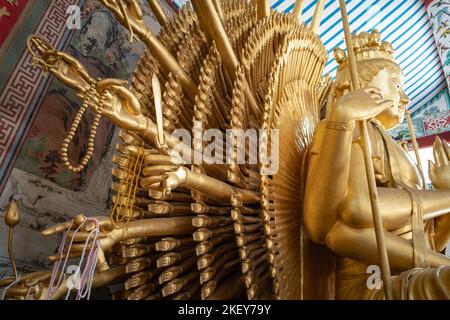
pixel 366 46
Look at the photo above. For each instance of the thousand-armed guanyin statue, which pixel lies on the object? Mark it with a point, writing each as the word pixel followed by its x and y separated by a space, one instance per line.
pixel 328 195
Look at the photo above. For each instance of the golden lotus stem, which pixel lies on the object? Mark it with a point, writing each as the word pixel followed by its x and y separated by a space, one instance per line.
pixel 12 219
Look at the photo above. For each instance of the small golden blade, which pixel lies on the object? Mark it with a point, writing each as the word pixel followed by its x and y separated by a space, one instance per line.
pixel 158 109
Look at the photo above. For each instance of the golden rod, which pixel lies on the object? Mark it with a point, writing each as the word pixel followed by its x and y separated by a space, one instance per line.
pixel 158 11
pixel 378 223
pixel 219 10
pixel 214 31
pixel 158 109
pixel 415 146
pixel 315 24
pixel 298 8
pixel 263 9
pixel 134 23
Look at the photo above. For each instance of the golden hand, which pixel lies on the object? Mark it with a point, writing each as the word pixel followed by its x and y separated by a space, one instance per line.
pixel 63 66
pixel 108 236
pixel 161 173
pixel 32 286
pixel 129 14
pixel 121 106
pixel 439 171
pixel 361 104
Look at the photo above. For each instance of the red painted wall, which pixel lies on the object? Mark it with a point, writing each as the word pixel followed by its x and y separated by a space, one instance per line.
pixel 7 23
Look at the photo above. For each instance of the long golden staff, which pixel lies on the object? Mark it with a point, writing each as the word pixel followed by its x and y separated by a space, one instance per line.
pixel 262 8
pixel 416 147
pixel 298 8
pixel 160 139
pixel 158 12
pixel 378 223
pixel 317 15
pixel 157 96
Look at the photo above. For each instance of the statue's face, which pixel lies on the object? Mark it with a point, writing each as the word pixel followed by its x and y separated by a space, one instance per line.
pixel 391 85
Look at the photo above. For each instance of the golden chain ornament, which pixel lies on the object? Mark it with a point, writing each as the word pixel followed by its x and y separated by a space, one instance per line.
pixel 122 210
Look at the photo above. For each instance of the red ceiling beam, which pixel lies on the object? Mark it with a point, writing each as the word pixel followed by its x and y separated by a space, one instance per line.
pixel 425 142
pixel 172 5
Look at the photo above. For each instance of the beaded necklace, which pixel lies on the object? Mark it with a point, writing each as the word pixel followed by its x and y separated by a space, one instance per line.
pixel 93 99
pixel 87 275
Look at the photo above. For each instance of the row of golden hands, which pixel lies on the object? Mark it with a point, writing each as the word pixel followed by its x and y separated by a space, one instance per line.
pixel 160 172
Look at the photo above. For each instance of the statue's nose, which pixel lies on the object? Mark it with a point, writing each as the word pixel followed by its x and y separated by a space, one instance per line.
pixel 404 99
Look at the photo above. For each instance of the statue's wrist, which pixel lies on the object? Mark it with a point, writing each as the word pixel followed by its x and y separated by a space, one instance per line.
pixel 340 125
pixel 145 130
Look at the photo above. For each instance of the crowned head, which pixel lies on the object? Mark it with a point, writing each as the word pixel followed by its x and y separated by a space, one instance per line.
pixel 376 67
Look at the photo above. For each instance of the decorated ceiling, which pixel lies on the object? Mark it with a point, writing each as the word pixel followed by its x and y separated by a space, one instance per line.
pixel 404 23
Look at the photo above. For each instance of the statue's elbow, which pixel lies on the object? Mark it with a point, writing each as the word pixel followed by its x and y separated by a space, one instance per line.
pixel 314 225
pixel 355 212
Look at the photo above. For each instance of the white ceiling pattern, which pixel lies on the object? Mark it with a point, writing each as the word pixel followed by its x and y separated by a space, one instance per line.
pixel 404 23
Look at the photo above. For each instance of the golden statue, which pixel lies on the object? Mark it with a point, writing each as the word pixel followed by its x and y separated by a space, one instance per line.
pixel 204 229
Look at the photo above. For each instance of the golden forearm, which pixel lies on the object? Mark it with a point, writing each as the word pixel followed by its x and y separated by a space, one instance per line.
pixel 157 227
pixel 169 64
pixel 327 177
pixel 442 232
pixel 217 190
pixel 395 203
pixel 361 245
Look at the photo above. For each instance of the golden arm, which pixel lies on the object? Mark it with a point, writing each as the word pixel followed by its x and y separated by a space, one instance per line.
pixel 174 176
pixel 328 172
pixel 347 228
pixel 217 190
pixel 329 160
pixel 353 236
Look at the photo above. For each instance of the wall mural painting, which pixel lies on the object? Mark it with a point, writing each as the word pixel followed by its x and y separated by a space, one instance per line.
pixel 48 193
pixel 430 119
pixel 439 14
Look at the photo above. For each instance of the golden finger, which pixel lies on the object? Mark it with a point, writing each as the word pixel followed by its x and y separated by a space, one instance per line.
pixel 158 169
pixel 57 257
pixel 82 236
pixel 441 151
pixel 437 158
pixel 56 228
pixel 158 159
pixel 446 148
pixel 153 179
pixel 106 83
